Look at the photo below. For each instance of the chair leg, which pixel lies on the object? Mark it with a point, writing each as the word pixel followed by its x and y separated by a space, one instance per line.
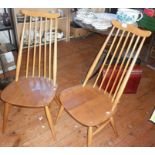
pixel 57 100
pixel 113 126
pixel 50 121
pixel 60 113
pixel 90 135
pixel 5 115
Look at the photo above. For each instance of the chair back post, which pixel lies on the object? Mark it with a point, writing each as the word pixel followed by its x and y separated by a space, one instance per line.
pixel 123 85
pixel 20 51
pixel 55 54
pixel 127 43
pixel 45 47
pixel 97 59
pixel 34 49
pixel 40 24
pixel 117 62
pixel 123 62
pixel 28 50
pixel 113 56
pixel 106 58
pixel 40 49
pixel 125 67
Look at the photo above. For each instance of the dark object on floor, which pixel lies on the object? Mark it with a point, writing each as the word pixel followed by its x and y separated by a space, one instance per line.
pixel 4 82
pixel 73 24
pixel 132 84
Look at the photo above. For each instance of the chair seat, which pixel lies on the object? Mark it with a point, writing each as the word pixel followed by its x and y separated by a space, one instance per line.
pixel 86 104
pixel 29 92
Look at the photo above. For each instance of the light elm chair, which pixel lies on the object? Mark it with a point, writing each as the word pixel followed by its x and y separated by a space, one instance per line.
pixel 37 88
pixel 88 103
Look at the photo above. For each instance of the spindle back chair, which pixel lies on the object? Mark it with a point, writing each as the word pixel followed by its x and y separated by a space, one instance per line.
pixel 88 103
pixel 36 85
pixel 40 31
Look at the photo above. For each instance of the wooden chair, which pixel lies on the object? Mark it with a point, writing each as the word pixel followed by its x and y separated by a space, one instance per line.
pixel 88 103
pixel 37 88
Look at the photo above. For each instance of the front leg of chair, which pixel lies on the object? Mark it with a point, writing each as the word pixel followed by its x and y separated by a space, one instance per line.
pixel 50 121
pixel 7 107
pixel 114 126
pixel 59 113
pixel 90 135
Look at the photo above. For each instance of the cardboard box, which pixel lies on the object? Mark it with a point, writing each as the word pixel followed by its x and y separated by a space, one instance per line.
pixel 79 32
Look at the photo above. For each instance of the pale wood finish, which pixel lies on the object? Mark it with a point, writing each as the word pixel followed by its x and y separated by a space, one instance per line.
pixel 35 89
pixel 39 14
pixel 87 105
pixel 126 67
pixel 122 61
pixel 55 54
pixel 20 51
pixel 90 105
pixel 132 116
pixel 34 51
pixel 60 113
pixel 131 28
pixel 50 51
pixel 30 92
pixel 90 135
pixel 100 127
pixel 5 115
pixel 40 34
pixel 114 125
pixel 118 59
pixel 45 53
pixel 98 57
pixel 50 121
pixel 68 21
pixel 28 52
pixel 113 56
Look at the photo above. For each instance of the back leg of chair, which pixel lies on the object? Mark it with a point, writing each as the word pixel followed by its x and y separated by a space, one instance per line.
pixel 7 107
pixel 57 99
pixel 112 122
pixel 90 135
pixel 50 121
pixel 60 113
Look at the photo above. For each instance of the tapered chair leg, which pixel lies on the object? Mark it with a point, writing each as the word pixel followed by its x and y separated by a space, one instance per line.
pixel 113 126
pixel 5 115
pixel 90 136
pixel 57 100
pixel 50 121
pixel 60 113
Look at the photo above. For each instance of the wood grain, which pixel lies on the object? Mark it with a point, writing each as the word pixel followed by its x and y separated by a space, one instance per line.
pixel 132 116
pixel 88 104
pixel 34 91
pixel 29 92
pixel 39 14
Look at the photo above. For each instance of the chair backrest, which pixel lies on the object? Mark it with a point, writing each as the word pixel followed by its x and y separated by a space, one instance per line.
pixel 41 29
pixel 119 60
